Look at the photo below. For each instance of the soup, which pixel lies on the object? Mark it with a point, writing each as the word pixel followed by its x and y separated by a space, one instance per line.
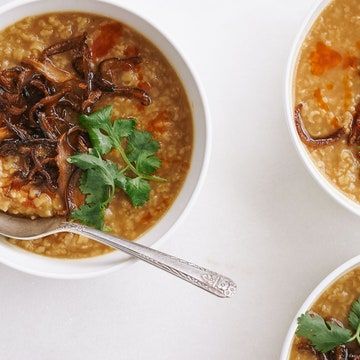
pixel 327 95
pixel 63 73
pixel 333 305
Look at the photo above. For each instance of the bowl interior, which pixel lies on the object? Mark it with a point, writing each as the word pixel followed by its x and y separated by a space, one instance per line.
pixel 328 186
pixel 58 268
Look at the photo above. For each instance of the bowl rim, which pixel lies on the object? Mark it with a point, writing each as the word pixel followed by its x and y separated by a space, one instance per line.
pixel 302 151
pixel 202 167
pixel 313 297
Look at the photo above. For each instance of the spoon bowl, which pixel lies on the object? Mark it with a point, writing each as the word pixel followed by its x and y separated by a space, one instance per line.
pixel 22 228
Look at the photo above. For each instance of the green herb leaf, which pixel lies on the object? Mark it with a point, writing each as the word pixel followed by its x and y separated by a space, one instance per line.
pixel 105 169
pixel 139 142
pixel 354 315
pixel 98 125
pixel 138 191
pixel 105 134
pixel 98 184
pixel 91 215
pixel 123 128
pixel 102 143
pixel 323 335
pixel 89 185
pixel 121 180
pixel 147 163
pixel 85 161
pixel 98 119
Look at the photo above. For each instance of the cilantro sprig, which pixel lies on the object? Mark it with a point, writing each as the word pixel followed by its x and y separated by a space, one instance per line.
pixel 102 177
pixel 324 335
pixel 139 154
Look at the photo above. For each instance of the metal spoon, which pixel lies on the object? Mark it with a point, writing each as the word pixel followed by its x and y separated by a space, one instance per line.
pixel 27 229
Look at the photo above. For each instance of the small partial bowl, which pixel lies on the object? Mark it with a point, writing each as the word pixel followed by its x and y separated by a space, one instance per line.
pixel 290 105
pixel 314 296
pixel 74 269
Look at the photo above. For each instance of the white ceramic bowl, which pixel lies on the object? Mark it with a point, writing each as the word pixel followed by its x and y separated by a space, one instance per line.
pixel 290 105
pixel 314 296
pixel 72 269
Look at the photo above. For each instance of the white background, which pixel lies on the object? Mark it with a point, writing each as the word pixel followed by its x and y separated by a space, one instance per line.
pixel 254 219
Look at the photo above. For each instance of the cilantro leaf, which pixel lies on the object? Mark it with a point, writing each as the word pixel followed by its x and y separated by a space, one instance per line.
pixel 98 184
pixel 106 169
pixel 111 168
pixel 89 185
pixel 354 315
pixel 138 191
pixel 323 335
pixel 123 128
pixel 108 172
pixel 101 142
pixel 98 124
pixel 85 161
pixel 120 180
pixel 140 141
pixel 147 163
pixel 91 215
pixel 97 120
pixel 105 134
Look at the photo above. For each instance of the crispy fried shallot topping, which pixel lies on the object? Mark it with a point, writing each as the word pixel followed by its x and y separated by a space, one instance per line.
pixel 39 105
pixel 354 136
pixel 341 352
pixel 72 196
pixel 49 70
pixel 314 141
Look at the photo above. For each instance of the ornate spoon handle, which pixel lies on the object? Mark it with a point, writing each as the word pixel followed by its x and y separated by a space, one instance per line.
pixel 208 280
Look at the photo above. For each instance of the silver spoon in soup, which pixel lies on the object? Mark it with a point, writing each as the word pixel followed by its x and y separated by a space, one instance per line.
pixel 27 229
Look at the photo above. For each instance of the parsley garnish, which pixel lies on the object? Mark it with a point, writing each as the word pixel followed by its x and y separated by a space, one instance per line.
pixel 324 335
pixel 101 177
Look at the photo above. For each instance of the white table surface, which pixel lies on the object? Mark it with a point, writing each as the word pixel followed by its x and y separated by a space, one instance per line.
pixel 254 219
